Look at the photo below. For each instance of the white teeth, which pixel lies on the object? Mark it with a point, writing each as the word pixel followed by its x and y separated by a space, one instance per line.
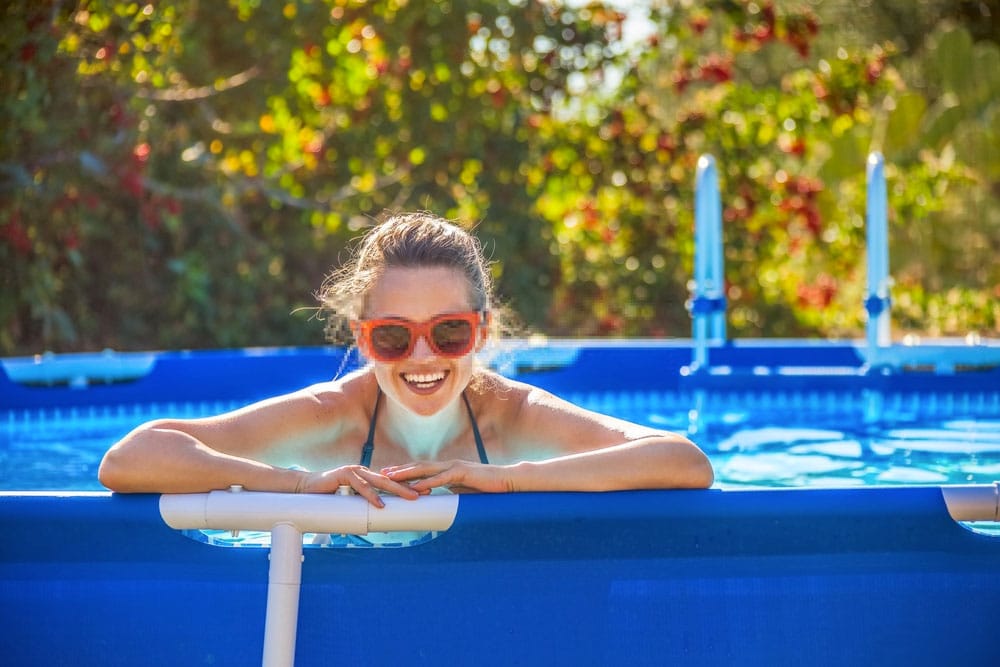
pixel 423 378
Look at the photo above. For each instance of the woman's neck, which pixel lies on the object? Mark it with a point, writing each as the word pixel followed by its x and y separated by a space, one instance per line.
pixel 424 436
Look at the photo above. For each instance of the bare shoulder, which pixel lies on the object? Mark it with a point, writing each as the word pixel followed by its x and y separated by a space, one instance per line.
pixel 316 417
pixel 357 390
pixel 521 401
pixel 334 398
pixel 531 421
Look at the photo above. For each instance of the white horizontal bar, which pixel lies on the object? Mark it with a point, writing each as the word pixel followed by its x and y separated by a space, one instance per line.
pixel 973 502
pixel 308 512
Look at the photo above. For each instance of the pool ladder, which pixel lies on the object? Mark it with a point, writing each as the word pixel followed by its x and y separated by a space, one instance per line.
pixel 707 304
pixel 877 302
pixel 708 297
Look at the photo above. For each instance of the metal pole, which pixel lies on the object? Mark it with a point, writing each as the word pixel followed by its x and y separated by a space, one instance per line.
pixel 877 230
pixel 284 579
pixel 707 305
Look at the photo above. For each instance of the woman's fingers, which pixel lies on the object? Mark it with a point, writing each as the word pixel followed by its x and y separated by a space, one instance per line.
pixel 363 481
pixel 459 476
pixel 390 485
pixel 415 470
pixel 411 480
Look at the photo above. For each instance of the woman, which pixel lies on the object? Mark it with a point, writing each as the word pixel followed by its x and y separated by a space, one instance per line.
pixel 421 415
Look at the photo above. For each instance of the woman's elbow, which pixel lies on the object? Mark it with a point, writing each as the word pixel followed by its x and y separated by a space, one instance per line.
pixel 125 462
pixel 112 473
pixel 702 474
pixel 696 466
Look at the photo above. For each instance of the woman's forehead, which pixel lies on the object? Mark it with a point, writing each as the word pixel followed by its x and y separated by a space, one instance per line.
pixel 418 293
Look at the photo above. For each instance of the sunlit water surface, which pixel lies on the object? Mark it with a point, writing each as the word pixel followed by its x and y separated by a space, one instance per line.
pixel 800 441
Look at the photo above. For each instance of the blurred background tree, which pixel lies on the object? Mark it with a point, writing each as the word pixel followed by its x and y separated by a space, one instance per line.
pixel 183 174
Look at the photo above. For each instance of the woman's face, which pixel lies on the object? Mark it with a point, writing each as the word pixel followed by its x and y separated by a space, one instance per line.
pixel 423 382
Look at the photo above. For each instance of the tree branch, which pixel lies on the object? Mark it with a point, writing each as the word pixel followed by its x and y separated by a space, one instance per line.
pixel 188 94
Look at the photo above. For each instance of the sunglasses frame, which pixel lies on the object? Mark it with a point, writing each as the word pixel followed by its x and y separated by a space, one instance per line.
pixel 478 320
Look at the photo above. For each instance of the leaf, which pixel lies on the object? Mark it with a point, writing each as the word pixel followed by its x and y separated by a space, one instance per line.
pixel 953 62
pixel 903 130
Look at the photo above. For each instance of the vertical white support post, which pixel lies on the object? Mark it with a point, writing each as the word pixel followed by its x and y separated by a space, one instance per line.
pixel 877 301
pixel 284 579
pixel 707 304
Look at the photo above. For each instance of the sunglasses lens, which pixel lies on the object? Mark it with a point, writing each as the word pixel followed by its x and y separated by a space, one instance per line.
pixel 452 337
pixel 390 341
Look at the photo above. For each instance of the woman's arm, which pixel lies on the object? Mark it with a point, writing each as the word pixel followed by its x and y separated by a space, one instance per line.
pixel 167 457
pixel 249 447
pixel 648 463
pixel 557 446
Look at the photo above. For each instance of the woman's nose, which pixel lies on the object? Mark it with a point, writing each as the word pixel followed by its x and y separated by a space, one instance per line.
pixel 421 349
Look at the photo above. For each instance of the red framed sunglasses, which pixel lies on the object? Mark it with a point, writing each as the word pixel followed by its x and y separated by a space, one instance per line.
pixel 393 338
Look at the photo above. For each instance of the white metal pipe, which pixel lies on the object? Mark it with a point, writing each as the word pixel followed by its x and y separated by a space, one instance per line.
pixel 708 313
pixel 717 321
pixel 287 516
pixel 877 232
pixel 973 502
pixel 283 582
pixel 308 512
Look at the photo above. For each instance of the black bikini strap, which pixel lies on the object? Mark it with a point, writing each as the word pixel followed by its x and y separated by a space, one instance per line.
pixel 475 431
pixel 366 451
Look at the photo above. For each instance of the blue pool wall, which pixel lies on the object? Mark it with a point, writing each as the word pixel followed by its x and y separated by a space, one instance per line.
pixel 766 577
pixel 759 577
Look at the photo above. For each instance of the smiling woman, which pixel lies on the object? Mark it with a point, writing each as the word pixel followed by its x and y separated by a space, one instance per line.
pixel 423 414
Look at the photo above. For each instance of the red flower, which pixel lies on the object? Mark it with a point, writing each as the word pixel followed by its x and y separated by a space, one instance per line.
pixel 28 52
pixel 16 235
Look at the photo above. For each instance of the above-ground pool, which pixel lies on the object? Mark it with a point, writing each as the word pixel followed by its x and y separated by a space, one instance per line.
pixel 838 531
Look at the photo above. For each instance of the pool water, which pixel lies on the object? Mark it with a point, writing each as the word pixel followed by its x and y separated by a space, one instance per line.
pixel 771 440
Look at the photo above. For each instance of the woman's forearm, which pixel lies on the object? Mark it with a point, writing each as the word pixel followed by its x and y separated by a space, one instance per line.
pixel 164 460
pixel 648 463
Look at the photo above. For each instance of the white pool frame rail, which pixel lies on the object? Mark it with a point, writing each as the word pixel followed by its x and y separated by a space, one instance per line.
pixel 972 502
pixel 287 517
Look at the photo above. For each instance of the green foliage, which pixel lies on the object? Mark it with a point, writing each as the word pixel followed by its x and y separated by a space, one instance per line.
pixel 183 174
pixel 790 125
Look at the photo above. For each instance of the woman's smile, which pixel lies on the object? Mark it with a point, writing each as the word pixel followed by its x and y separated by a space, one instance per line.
pixel 426 382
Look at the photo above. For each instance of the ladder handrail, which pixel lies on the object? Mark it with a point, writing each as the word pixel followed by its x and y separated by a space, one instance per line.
pixel 877 301
pixel 708 299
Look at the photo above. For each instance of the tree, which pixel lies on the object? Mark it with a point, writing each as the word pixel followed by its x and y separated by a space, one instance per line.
pixel 790 103
pixel 183 174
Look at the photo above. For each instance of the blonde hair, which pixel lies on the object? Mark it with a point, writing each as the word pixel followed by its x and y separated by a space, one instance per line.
pixel 405 240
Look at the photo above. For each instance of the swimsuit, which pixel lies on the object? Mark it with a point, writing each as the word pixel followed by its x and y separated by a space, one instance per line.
pixel 366 451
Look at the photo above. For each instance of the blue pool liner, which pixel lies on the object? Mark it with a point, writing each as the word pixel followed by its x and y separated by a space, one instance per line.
pixel 763 577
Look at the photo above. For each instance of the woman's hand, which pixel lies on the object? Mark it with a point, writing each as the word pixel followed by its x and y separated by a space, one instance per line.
pixel 459 476
pixel 364 481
